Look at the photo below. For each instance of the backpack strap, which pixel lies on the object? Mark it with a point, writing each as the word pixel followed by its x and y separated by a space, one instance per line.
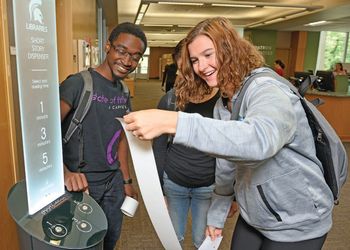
pixel 237 103
pixel 125 87
pixel 171 100
pixel 83 106
pixel 170 105
pixel 300 92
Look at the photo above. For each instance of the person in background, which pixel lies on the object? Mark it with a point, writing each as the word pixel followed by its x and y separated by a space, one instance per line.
pixel 339 70
pixel 96 156
pixel 279 67
pixel 187 175
pixel 268 152
pixel 170 72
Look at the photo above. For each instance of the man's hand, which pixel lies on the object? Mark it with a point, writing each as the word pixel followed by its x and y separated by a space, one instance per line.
pixel 130 191
pixel 75 181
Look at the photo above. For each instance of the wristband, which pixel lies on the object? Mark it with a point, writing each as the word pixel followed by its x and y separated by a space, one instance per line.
pixel 127 181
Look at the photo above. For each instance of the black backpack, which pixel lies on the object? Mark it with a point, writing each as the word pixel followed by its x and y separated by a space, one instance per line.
pixel 329 148
pixel 83 106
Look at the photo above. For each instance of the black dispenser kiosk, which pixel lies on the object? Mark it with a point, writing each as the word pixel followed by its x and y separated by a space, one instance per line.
pixel 73 221
pixel 47 216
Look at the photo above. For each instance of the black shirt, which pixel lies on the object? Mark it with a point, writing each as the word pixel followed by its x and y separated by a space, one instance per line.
pixel 186 166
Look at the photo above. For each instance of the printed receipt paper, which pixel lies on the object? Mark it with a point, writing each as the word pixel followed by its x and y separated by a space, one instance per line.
pixel 209 244
pixel 148 180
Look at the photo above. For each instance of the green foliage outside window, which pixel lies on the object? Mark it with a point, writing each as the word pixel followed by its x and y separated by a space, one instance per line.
pixel 347 56
pixel 335 49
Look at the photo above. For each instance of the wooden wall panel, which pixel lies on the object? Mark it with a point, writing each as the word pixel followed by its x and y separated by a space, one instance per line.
pixel 84 20
pixel 298 47
pixel 155 54
pixel 336 110
pixel 64 24
pixel 9 238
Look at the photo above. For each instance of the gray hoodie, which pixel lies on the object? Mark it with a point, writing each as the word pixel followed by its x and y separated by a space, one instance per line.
pixel 267 160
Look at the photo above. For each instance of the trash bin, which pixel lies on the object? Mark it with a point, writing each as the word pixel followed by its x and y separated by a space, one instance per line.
pixel 73 221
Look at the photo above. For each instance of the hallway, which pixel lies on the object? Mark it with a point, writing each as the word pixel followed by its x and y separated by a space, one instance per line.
pixel 138 232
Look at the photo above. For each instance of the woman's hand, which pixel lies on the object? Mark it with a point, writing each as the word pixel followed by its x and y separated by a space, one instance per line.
pixel 151 123
pixel 213 232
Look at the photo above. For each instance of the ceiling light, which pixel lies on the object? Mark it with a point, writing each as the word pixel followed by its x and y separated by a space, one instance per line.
pixel 274 20
pixel 158 25
pixel 284 7
pixel 140 13
pixel 182 3
pixel 316 23
pixel 297 14
pixel 143 8
pixel 185 26
pixel 255 25
pixel 233 5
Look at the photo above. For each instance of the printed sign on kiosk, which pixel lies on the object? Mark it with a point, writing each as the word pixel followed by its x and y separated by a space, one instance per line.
pixel 36 50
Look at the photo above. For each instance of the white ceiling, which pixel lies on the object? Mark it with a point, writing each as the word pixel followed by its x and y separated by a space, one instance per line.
pixel 166 24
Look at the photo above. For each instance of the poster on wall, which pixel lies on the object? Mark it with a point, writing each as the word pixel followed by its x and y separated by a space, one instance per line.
pixel 37 71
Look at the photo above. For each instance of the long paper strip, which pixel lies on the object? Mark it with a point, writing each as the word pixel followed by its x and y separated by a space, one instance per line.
pixel 148 180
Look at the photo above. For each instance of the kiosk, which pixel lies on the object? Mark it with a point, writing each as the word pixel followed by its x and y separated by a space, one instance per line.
pixel 73 221
pixel 47 216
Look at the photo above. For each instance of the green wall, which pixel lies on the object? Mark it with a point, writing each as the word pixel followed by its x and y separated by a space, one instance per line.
pixel 265 41
pixel 312 43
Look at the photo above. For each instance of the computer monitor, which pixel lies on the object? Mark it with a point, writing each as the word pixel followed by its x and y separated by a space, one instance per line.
pixel 325 80
pixel 299 77
pixel 346 66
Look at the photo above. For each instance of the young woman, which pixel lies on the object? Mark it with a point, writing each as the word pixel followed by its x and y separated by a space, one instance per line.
pixel 339 70
pixel 266 159
pixel 187 174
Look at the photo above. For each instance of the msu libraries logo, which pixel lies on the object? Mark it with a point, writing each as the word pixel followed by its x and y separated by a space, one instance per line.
pixel 35 12
pixel 36 17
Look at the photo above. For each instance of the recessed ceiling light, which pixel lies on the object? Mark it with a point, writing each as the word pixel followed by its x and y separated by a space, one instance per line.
pixel 185 26
pixel 158 25
pixel 274 20
pixel 143 8
pixel 233 5
pixel 317 23
pixel 284 7
pixel 182 3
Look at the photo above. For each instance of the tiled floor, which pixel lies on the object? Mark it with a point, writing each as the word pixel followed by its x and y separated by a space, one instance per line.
pixel 138 232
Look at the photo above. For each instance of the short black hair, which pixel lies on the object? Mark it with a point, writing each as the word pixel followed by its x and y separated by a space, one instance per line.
pixel 177 51
pixel 280 63
pixel 128 28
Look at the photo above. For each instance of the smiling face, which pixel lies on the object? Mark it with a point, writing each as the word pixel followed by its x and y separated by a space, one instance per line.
pixel 124 54
pixel 338 67
pixel 203 58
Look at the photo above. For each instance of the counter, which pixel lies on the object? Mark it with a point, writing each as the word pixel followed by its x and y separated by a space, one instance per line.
pixel 336 109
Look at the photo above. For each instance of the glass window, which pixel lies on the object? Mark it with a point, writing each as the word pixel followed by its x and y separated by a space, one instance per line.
pixel 347 56
pixel 334 49
pixel 144 65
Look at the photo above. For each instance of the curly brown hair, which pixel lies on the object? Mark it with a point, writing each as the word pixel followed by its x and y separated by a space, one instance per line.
pixel 236 58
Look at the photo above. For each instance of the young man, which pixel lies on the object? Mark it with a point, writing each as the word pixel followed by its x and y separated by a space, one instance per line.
pixel 96 156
